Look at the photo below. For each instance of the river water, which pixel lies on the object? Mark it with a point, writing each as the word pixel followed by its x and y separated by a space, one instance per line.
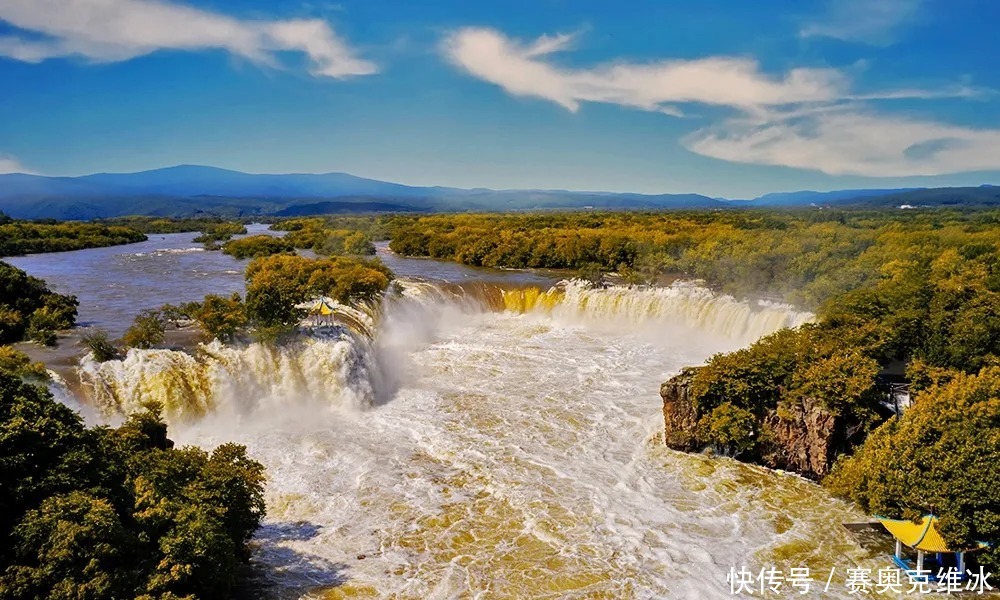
pixel 473 448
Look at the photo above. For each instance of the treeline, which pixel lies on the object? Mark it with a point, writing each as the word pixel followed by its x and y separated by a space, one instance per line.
pixel 29 309
pixel 167 225
pixel 213 230
pixel 804 257
pixel 29 237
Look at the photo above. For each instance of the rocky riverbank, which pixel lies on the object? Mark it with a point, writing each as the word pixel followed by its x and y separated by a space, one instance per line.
pixel 804 437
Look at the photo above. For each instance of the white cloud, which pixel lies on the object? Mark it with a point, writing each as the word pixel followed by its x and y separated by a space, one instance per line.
pixel 526 70
pixel 852 142
pixel 9 164
pixel 116 30
pixel 805 118
pixel 876 22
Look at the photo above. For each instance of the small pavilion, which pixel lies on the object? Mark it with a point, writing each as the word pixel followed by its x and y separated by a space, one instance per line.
pixel 932 551
pixel 322 311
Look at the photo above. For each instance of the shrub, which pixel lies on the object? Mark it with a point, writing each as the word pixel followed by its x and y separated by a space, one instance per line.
pixel 146 331
pixel 101 346
pixel 732 429
pixel 18 363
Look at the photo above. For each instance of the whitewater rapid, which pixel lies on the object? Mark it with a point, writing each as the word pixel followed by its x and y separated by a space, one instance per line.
pixel 492 449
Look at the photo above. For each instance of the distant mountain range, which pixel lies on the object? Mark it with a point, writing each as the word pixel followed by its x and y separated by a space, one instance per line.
pixel 188 190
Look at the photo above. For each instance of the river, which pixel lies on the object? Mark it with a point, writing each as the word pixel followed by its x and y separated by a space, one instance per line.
pixel 470 450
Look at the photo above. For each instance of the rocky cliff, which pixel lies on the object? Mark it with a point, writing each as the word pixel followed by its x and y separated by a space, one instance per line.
pixel 803 436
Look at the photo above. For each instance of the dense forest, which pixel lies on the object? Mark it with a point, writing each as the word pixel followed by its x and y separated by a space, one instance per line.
pixel 116 512
pixel 28 237
pixel 919 289
pixel 804 257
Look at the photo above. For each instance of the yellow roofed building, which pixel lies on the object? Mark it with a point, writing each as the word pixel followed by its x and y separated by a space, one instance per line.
pixel 924 537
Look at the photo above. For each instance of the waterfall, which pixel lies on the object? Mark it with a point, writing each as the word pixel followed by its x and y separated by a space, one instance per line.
pixel 334 370
pixel 681 304
pixel 357 364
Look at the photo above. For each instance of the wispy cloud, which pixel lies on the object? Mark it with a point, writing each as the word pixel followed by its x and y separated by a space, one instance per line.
pixel 876 22
pixel 852 141
pixel 805 118
pixel 525 69
pixel 116 30
pixel 9 164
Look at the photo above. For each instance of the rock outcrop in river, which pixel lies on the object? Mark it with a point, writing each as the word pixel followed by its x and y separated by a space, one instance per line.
pixel 805 437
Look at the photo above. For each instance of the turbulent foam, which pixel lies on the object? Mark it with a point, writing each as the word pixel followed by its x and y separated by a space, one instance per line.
pixel 682 304
pixel 514 461
pixel 510 458
pixel 334 371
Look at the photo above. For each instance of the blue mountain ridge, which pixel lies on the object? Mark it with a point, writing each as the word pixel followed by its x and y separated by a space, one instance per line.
pixel 192 189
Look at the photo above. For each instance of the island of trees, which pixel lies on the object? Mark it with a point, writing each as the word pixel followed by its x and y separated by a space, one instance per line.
pixel 29 237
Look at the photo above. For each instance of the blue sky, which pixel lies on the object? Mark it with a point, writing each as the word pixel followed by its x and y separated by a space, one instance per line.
pixel 730 98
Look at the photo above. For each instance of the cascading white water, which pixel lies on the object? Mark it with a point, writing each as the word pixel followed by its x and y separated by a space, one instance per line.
pixel 681 304
pixel 514 455
pixel 335 371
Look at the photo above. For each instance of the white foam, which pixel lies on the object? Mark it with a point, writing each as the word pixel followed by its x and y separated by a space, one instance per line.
pixel 512 458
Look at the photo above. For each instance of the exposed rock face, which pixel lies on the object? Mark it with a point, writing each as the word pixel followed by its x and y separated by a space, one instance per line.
pixel 680 416
pixel 805 438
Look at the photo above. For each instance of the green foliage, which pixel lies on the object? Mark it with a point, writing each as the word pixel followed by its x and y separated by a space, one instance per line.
pixel 257 245
pixel 28 307
pixel 276 285
pixel 214 232
pixel 27 237
pixel 333 236
pixel 15 362
pixel 732 429
pixel 146 331
pixel 940 457
pixel 117 513
pixel 101 346
pixel 220 317
pixel 210 225
pixel 73 544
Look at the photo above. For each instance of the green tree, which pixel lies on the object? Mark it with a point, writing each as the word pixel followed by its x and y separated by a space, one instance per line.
pixel 147 330
pixel 101 346
pixel 73 546
pixel 220 317
pixel 117 513
pixel 27 304
pixel 940 457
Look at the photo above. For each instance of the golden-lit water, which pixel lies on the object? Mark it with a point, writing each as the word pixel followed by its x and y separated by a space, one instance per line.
pixel 470 453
